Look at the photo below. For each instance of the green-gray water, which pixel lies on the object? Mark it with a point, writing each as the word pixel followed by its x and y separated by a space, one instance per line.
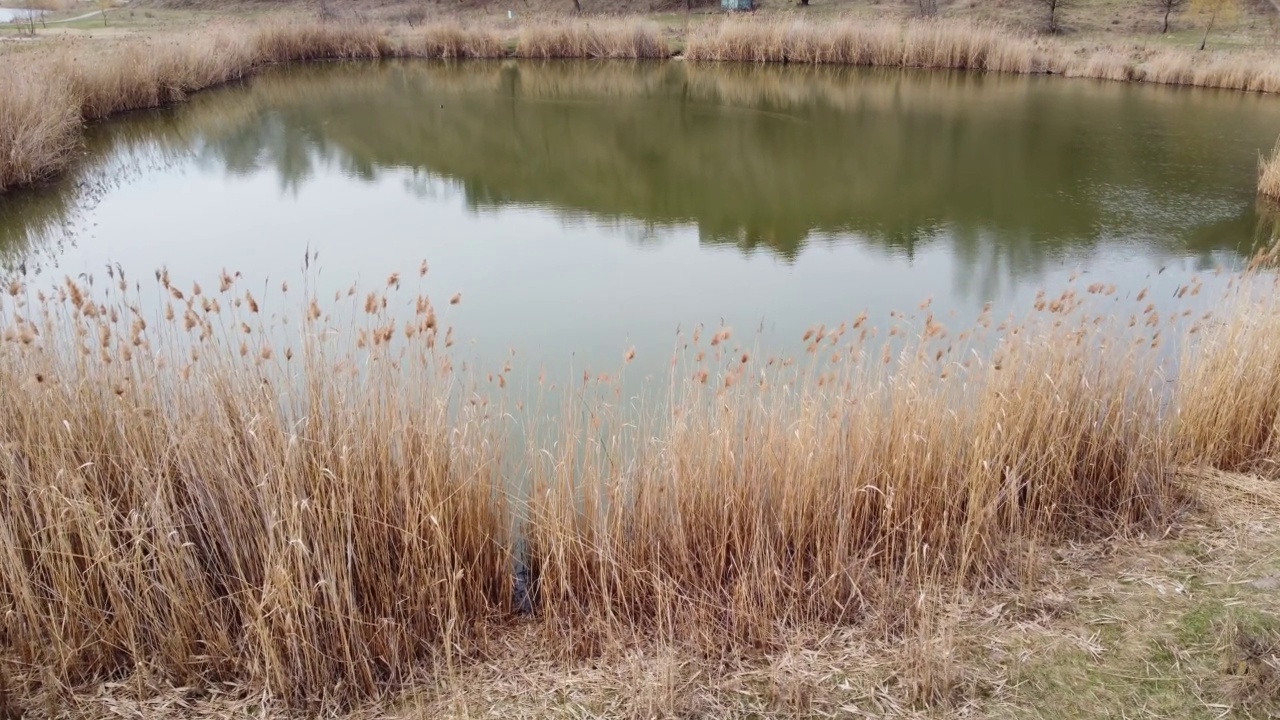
pixel 585 208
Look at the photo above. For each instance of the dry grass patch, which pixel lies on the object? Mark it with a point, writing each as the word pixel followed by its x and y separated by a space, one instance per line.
pixel 284 43
pixel 1102 65
pixel 622 39
pixel 959 46
pixel 452 41
pixel 1269 175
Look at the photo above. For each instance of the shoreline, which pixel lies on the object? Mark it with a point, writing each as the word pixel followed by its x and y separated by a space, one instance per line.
pixel 42 122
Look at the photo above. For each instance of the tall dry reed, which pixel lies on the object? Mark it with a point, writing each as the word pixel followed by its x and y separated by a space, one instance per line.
pixel 624 39
pixel 932 44
pixel 965 46
pixel 772 499
pixel 1269 175
pixel 307 499
pixel 39 129
pixel 211 507
pixel 1228 390
pixel 453 41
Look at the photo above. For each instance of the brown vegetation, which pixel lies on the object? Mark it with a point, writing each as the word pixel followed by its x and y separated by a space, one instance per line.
pixel 1269 175
pixel 194 494
pixel 39 128
pixel 627 39
pixel 1229 398
pixel 964 46
pixel 453 41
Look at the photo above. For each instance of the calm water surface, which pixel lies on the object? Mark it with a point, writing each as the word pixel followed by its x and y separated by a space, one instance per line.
pixel 582 209
pixel 8 15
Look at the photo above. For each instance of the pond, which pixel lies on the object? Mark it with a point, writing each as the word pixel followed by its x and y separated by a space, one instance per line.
pixel 8 15
pixel 582 209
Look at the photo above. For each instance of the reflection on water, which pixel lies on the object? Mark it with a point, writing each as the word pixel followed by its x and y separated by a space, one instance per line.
pixel 601 193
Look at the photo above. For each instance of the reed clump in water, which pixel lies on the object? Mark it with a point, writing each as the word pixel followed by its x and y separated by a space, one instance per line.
pixel 769 499
pixel 1228 390
pixel 957 46
pixel 1269 175
pixel 966 46
pixel 247 511
pixel 453 41
pixel 39 128
pixel 308 500
pixel 618 39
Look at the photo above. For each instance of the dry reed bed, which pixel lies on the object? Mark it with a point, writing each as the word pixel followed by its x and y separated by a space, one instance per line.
pixel 608 39
pixel 1269 175
pixel 965 46
pixel 303 506
pixel 879 44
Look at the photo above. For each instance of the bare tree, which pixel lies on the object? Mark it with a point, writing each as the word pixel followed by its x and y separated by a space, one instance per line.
pixel 1051 8
pixel 926 8
pixel 1214 11
pixel 29 13
pixel 1167 7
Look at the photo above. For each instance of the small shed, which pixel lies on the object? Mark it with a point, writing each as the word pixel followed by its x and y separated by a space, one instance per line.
pixel 737 4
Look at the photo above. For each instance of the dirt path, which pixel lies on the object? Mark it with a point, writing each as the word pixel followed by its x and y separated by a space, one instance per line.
pixel 73 19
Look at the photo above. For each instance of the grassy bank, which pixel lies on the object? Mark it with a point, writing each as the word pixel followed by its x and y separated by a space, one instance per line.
pixel 62 84
pixel 309 501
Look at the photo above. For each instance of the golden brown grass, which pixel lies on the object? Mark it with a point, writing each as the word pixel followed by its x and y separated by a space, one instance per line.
pixel 628 39
pixel 1229 392
pixel 968 46
pixel 1269 175
pixel 306 500
pixel 960 46
pixel 39 129
pixel 452 41
pixel 230 570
